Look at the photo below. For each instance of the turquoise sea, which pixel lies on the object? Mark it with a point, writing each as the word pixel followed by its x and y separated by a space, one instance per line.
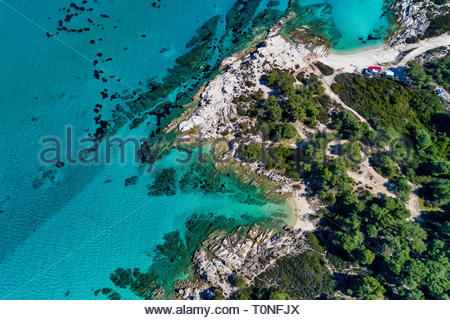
pixel 64 230
pixel 349 24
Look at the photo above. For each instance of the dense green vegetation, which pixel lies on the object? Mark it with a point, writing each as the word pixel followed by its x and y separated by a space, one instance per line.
pixel 438 25
pixel 431 73
pixel 417 74
pixel 390 255
pixel 439 71
pixel 374 232
pixel 404 259
pixel 240 282
pixel 251 152
pixel 387 103
pixel 410 120
pixel 348 126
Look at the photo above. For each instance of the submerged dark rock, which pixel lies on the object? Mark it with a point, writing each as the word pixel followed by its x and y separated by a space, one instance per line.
pixel 60 164
pixel 164 183
pixel 370 37
pixel 131 181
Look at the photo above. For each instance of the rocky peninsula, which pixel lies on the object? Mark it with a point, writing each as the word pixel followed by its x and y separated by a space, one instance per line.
pixel 222 113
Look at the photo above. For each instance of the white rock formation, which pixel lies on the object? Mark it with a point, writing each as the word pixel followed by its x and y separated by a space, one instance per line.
pixel 247 256
pixel 216 106
pixel 414 18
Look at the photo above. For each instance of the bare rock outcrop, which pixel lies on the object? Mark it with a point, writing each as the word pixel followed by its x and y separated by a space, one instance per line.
pixel 216 107
pixel 246 254
pixel 414 18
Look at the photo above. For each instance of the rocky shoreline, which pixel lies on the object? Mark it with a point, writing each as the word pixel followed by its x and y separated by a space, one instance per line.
pixel 216 116
pixel 222 258
pixel 245 254
pixel 216 106
pixel 414 18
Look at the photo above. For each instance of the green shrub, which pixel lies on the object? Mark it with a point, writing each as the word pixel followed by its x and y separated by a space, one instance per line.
pixel 438 25
pixel 283 131
pixel 273 109
pixel 251 152
pixel 240 282
pixel 324 69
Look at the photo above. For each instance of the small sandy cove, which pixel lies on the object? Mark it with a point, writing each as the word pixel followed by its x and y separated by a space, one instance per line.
pixel 382 55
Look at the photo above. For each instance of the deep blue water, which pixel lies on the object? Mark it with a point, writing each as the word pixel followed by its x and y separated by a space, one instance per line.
pixel 64 230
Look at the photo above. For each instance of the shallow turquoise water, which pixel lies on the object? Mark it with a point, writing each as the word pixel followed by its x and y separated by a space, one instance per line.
pixel 64 236
pixel 350 24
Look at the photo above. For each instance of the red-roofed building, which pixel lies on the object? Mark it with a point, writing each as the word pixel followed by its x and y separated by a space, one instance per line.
pixel 374 69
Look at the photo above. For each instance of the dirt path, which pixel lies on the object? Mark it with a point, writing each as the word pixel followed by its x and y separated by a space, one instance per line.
pixel 327 82
pixel 366 176
pixel 422 47
pixel 413 205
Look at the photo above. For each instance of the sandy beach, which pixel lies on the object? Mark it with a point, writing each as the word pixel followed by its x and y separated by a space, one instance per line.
pixel 382 55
